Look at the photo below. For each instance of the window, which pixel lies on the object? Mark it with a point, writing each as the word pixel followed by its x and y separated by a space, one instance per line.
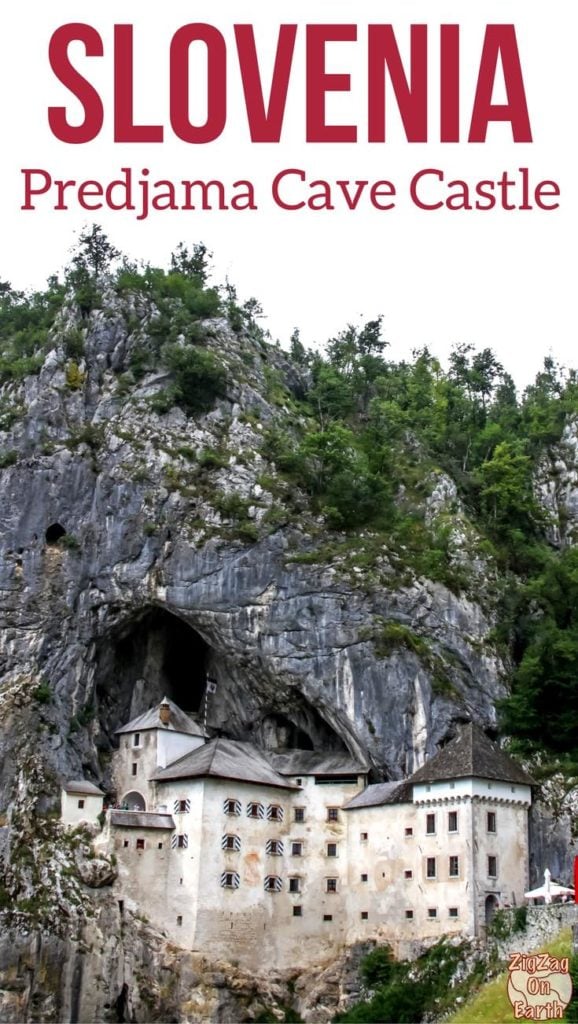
pixel 409 915
pixel 363 837
pixel 328 917
pixel 408 873
pixel 181 806
pixel 159 846
pixel 140 844
pixel 180 842
pixel 364 878
pixel 430 867
pixel 134 768
pixel 409 831
pixel 364 915
pixel 230 880
pixel 296 849
pixel 274 847
pixel 331 850
pixel 492 867
pixel 275 812
pixel 454 867
pixel 231 842
pixel 298 782
pixel 136 739
pixel 452 821
pixel 432 912
pixel 255 811
pixel 299 814
pixel 453 912
pixel 430 824
pixel 232 806
pixel 179 920
pixel 333 814
pixel 294 884
pixel 273 883
pixel 80 804
pixel 330 885
pixel 125 843
pixel 491 821
pixel 297 911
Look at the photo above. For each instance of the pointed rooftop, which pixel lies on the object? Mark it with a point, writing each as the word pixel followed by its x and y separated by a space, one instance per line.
pixel 471 754
pixel 224 759
pixel 166 716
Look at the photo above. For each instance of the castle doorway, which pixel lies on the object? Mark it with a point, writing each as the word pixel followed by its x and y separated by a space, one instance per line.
pixel 491 907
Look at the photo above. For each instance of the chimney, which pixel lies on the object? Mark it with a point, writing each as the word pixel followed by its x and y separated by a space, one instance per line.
pixel 165 712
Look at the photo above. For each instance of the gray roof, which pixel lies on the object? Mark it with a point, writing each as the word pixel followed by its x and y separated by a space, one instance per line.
pixel 381 793
pixel 224 759
pixel 141 819
pixel 179 721
pixel 471 754
pixel 82 786
pixel 308 762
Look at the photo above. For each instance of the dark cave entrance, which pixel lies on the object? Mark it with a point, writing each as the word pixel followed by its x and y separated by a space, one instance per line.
pixel 153 656
pixel 54 533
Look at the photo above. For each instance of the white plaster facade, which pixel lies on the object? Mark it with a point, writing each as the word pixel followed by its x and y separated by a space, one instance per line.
pixel 80 802
pixel 237 854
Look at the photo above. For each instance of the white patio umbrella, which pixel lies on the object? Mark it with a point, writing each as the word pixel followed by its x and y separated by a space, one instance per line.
pixel 548 890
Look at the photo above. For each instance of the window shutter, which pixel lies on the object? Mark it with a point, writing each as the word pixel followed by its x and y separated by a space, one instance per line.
pixel 230 842
pixel 273 883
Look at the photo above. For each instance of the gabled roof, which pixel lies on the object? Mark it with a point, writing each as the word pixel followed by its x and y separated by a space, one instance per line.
pixel 81 786
pixel 141 819
pixel 471 754
pixel 381 793
pixel 178 721
pixel 224 759
pixel 307 762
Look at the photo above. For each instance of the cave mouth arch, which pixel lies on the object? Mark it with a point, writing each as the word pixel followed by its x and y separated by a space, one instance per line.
pixel 54 533
pixel 153 655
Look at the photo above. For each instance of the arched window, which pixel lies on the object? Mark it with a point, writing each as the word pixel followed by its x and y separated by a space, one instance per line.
pixel 133 801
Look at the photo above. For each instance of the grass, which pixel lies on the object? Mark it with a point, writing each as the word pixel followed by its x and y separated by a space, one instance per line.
pixel 491 1004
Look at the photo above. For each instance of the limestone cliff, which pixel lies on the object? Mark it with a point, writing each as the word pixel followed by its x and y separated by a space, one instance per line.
pixel 143 549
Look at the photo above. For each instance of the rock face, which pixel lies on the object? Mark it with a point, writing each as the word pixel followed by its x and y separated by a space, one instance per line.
pixel 142 551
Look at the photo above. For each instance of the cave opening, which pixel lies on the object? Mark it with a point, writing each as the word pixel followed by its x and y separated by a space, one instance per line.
pixel 153 656
pixel 303 728
pixel 54 533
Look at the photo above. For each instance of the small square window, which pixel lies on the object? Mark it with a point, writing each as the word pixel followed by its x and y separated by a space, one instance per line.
pixel 80 804
pixel 409 831
pixel 294 885
pixel 430 869
pixel 255 811
pixel 430 824
pixel 134 768
pixel 125 843
pixel 299 814
pixel 408 873
pixel 179 920
pixel 298 911
pixel 274 812
pixel 364 915
pixel 409 915
pixel 453 912
pixel 182 842
pixel 333 814
pixel 491 821
pixel 159 846
pixel 364 878
pixel 492 867
pixel 140 844
pixel 363 837
pixel 330 885
pixel 296 849
pixel 328 917
pixel 454 867
pixel 332 849
pixel 432 912
pixel 299 782
pixel 136 739
pixel 452 821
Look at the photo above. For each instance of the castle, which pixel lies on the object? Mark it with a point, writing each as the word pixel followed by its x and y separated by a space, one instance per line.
pixel 292 856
